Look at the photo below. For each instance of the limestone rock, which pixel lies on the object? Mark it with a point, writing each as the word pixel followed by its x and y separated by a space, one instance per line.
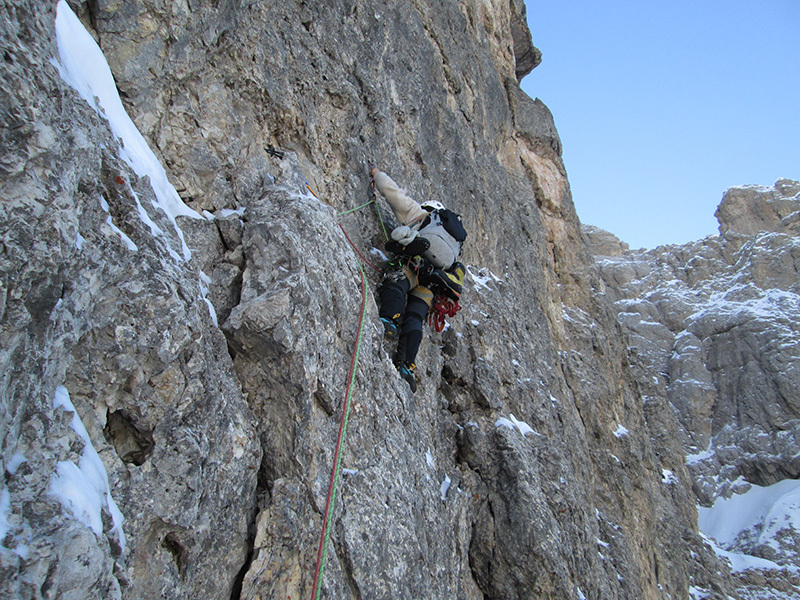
pixel 96 301
pixel 603 243
pixel 526 56
pixel 715 325
pixel 754 209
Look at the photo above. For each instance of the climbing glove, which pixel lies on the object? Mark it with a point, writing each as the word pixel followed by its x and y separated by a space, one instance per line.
pixel 416 248
pixel 403 235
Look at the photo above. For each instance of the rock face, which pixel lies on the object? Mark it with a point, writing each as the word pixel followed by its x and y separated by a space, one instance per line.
pixel 714 325
pixel 95 302
pixel 183 365
pixel 753 209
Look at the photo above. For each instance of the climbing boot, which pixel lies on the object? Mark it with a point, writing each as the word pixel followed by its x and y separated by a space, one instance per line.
pixel 407 373
pixel 389 329
pixel 449 282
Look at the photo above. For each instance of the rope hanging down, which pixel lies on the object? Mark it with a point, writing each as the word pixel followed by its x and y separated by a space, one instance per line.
pixel 337 456
pixel 369 264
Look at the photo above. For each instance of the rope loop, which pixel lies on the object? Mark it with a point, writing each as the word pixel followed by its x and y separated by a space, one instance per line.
pixel 442 308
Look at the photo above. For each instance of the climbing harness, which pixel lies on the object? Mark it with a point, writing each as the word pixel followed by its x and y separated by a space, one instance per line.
pixel 442 308
pixel 337 457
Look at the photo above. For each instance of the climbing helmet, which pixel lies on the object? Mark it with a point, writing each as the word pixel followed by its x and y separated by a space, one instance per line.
pixel 432 205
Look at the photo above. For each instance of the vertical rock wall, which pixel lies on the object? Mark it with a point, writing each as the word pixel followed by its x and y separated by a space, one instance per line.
pixel 96 303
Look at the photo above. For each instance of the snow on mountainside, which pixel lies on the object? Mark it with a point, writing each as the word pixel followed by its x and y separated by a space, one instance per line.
pixel 83 66
pixel 755 524
pixel 716 328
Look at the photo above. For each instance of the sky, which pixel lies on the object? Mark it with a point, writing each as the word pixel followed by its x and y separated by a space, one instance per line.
pixel 662 106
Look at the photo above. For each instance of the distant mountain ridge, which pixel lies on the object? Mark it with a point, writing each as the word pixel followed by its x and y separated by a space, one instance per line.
pixel 714 325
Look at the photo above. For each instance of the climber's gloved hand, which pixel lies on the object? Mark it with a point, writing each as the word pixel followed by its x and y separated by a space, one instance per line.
pixel 404 234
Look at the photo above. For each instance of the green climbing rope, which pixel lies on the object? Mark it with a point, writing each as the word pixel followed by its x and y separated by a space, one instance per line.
pixel 337 456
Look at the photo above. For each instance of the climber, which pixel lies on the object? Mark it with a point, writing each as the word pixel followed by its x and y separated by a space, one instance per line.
pixel 426 246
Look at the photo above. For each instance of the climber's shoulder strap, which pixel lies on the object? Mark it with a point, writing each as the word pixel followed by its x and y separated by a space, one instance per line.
pixel 451 222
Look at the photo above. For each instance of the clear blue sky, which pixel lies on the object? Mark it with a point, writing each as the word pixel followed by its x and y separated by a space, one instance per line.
pixel 662 106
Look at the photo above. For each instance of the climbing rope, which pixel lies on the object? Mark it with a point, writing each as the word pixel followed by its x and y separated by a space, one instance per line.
pixel 442 308
pixel 324 538
pixel 373 200
pixel 369 264
pixel 352 210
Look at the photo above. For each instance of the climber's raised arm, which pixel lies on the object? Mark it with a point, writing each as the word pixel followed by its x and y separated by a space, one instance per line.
pixel 406 209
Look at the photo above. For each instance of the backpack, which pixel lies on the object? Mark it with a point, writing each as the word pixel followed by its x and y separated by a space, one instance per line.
pixel 445 232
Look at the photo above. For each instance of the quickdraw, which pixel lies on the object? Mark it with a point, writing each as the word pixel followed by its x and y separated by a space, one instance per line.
pixel 442 308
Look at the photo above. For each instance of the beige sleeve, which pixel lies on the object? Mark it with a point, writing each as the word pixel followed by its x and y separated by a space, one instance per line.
pixel 406 209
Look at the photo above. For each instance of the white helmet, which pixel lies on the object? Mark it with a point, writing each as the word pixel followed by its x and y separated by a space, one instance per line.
pixel 432 206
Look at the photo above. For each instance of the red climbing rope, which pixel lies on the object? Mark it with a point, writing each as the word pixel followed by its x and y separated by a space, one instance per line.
pixel 323 541
pixel 442 308
pixel 369 264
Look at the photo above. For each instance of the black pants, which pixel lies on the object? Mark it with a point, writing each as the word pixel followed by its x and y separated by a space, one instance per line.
pixel 395 300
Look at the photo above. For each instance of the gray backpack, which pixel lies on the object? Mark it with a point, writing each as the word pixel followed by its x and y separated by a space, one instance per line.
pixel 443 228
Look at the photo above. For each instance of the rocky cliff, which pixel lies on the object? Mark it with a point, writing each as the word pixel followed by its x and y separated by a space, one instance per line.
pixel 713 326
pixel 180 303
